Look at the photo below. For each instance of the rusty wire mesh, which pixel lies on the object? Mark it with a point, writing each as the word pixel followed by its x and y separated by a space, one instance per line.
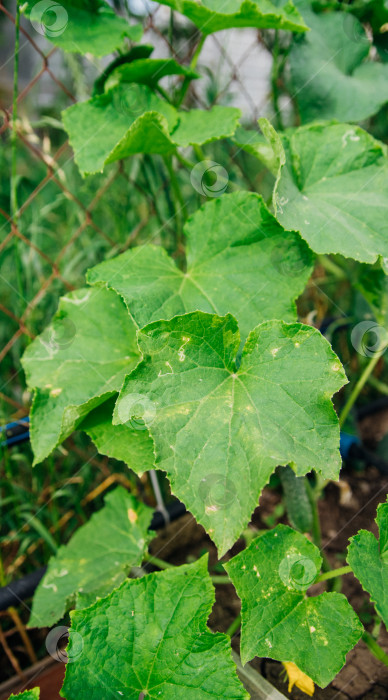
pixel 245 64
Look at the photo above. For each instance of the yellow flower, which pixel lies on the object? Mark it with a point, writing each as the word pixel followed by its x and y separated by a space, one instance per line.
pixel 298 678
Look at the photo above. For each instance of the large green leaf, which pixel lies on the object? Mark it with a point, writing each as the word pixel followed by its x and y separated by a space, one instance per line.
pixel 125 120
pixel 130 442
pixel 331 77
pixel 33 694
pixel 212 16
pixel 239 260
pixel 368 558
pixel 271 577
pixel 149 71
pixel 221 429
pixel 96 560
pixel 81 26
pixel 149 639
pixel 77 363
pixel 334 190
pixel 129 118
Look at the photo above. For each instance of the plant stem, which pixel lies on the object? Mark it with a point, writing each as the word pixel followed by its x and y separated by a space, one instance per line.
pixel 14 199
pixel 220 580
pixel 175 186
pixel 193 63
pixel 274 82
pixel 158 562
pixel 236 624
pixel 375 648
pixel 316 527
pixel 333 573
pixel 360 385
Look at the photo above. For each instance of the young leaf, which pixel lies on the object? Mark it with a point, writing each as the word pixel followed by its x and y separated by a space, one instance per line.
pixel 77 363
pixel 211 16
pixel 96 560
pixel 125 120
pixel 130 442
pixel 334 190
pixel 129 118
pixel 149 71
pixel 221 430
pixel 271 577
pixel 33 694
pixel 239 260
pixel 149 639
pixel 81 26
pixel 368 558
pixel 331 77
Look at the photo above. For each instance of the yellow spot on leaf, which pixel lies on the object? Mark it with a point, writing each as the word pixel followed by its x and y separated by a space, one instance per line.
pixel 55 392
pixel 132 516
pixel 298 678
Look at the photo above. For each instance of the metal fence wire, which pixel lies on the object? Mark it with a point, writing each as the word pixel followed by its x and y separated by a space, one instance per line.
pixel 64 224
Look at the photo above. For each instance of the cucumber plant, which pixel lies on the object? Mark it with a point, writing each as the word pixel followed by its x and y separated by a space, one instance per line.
pixel 193 361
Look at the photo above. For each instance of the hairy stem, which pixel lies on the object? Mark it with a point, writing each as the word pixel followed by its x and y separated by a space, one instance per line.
pixel 360 385
pixel 334 573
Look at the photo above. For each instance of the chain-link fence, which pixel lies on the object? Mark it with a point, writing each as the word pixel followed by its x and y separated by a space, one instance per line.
pixel 64 224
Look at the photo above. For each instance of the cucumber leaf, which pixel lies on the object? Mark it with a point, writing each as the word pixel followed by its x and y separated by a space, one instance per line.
pixel 130 443
pixel 148 71
pixel 96 560
pixel 271 577
pixel 219 429
pixel 334 190
pixel 209 16
pixel 81 26
pixel 77 363
pixel 239 260
pixel 149 639
pixel 33 694
pixel 368 558
pixel 331 76
pixel 267 146
pixel 129 118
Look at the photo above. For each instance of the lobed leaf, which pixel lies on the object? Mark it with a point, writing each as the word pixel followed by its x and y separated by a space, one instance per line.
pixel 148 71
pixel 220 429
pixel 97 559
pixel 77 363
pixel 81 26
pixel 271 577
pixel 239 260
pixel 331 76
pixel 209 16
pixel 129 118
pixel 149 638
pixel 368 558
pixel 334 190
